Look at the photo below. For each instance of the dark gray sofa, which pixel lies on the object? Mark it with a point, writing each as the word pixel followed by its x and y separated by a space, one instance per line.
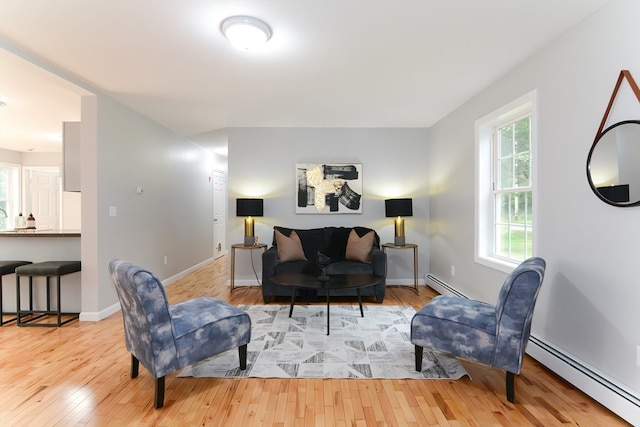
pixel 332 242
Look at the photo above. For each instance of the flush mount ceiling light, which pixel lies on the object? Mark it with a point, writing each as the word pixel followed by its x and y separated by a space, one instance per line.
pixel 245 32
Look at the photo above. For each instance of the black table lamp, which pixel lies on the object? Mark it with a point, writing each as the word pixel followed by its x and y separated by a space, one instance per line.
pixel 249 208
pixel 398 208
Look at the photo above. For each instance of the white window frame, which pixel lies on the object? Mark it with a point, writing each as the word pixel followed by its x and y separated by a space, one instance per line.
pixel 484 205
pixel 13 199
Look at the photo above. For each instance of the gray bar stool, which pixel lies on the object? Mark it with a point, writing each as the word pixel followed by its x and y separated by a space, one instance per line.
pixel 47 269
pixel 8 267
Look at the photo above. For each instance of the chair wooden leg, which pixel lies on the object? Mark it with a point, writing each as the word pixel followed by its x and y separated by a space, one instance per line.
pixel 135 364
pixel 159 400
pixel 511 393
pixel 419 358
pixel 242 352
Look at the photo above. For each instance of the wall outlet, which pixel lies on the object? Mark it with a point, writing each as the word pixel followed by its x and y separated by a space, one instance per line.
pixel 165 260
pixel 113 211
pixel 453 271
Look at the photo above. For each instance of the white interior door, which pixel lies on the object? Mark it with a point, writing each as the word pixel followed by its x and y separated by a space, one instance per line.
pixel 219 213
pixel 43 198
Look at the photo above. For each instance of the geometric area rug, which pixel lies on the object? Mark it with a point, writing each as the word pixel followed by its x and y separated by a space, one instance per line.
pixel 374 346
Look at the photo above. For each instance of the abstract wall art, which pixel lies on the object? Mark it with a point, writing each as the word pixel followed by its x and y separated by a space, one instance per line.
pixel 329 188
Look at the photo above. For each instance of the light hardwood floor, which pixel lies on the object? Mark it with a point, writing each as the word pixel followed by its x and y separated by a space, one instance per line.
pixel 79 375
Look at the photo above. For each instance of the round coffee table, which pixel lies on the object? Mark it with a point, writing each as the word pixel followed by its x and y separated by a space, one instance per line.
pixel 336 281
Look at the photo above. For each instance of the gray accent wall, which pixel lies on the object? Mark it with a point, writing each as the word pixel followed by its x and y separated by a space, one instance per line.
pixel 394 164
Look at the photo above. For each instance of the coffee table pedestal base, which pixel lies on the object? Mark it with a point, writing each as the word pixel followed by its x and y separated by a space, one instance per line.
pixel 293 301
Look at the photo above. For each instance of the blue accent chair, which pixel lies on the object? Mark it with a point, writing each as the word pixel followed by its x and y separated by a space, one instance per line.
pixel 166 338
pixel 494 335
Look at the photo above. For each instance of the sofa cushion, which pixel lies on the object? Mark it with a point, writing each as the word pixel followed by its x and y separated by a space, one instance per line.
pixel 336 244
pixel 289 247
pixel 349 267
pixel 359 248
pixel 297 267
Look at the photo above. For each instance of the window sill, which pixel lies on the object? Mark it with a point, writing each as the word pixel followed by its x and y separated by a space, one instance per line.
pixel 497 263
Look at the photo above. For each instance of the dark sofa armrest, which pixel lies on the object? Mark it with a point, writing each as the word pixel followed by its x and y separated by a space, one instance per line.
pixel 379 262
pixel 269 263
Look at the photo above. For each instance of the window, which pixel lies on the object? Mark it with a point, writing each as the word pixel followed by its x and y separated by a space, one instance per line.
pixel 505 191
pixel 9 194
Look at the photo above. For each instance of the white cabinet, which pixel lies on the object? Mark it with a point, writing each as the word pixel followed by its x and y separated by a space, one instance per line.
pixel 71 148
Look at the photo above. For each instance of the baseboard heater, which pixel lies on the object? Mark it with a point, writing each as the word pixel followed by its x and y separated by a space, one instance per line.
pixel 565 359
pixel 585 370
pixel 444 285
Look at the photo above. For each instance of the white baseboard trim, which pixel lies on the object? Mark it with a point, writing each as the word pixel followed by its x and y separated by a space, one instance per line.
pixel 245 282
pixel 93 316
pixel 608 392
pixel 166 282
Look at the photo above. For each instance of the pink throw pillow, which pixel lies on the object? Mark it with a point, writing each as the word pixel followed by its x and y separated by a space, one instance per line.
pixel 289 248
pixel 359 248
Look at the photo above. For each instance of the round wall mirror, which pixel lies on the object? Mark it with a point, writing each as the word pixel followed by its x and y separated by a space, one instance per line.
pixel 613 165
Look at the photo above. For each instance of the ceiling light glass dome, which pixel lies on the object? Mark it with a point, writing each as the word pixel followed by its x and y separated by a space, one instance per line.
pixel 245 32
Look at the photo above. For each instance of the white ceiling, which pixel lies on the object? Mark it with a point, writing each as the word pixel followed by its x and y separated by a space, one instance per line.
pixel 332 63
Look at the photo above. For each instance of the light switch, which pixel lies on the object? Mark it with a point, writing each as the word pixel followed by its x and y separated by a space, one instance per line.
pixel 113 211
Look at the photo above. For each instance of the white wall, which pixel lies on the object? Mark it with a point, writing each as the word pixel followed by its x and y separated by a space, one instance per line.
pixel 262 164
pixel 71 210
pixel 9 156
pixel 590 299
pixel 123 150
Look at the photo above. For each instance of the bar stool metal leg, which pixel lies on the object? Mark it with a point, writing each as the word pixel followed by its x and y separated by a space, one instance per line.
pixel 8 267
pixel 2 313
pixel 47 270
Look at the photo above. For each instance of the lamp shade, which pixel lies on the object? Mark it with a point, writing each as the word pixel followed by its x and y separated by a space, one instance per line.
pixel 398 207
pixel 249 207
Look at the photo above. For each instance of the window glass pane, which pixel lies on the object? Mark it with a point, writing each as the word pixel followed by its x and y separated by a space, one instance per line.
pixel 522 170
pixel 506 141
pixel 520 207
pixel 4 220
pixel 513 225
pixel 517 242
pixel 514 208
pixel 4 184
pixel 4 195
pixel 528 208
pixel 521 243
pixel 506 173
pixel 502 208
pixel 522 135
pixel 502 241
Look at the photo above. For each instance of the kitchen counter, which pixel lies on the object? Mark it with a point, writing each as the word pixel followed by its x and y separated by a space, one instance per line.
pixel 40 233
pixel 39 246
